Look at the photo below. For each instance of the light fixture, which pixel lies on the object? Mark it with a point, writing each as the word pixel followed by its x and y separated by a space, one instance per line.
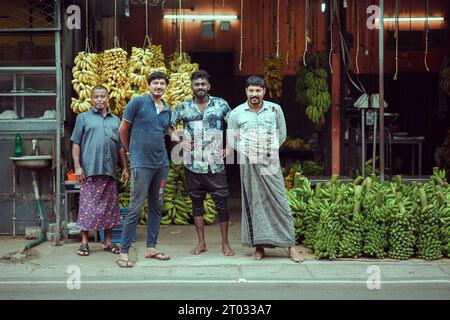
pixel 223 17
pixel 323 6
pixel 421 19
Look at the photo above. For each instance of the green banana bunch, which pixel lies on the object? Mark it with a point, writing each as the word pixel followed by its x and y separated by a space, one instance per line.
pixel 376 226
pixel 443 205
pixel 401 231
pixel 428 226
pixel 329 229
pixel 351 241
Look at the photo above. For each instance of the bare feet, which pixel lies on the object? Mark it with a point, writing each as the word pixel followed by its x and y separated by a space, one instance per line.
pixel 258 254
pixel 201 247
pixel 227 251
pixel 294 255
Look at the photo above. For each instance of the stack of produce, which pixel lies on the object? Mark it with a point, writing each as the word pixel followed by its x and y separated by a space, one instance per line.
pixel 401 231
pixel 85 77
pixel 376 226
pixel 428 229
pixel 298 198
pixel 351 241
pixel 113 68
pixel 273 76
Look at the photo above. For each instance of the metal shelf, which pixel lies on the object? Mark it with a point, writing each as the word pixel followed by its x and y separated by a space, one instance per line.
pixel 28 70
pixel 22 125
pixel 29 94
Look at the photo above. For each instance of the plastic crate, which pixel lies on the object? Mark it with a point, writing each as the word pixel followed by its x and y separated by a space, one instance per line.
pixel 116 233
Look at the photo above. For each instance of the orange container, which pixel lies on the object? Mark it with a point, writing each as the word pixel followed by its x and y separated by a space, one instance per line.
pixel 71 176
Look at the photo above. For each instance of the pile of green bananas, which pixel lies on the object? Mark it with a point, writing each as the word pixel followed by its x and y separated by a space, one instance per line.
pixel 428 229
pixel 351 242
pixel 444 213
pixel 444 80
pixel 329 230
pixel 273 76
pixel 401 231
pixel 376 225
pixel 298 198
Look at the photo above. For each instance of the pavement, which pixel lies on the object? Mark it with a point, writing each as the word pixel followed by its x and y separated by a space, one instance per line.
pixel 57 272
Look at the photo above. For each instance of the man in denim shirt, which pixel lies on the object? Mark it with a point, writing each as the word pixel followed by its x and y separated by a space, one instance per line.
pixel 204 120
pixel 147 119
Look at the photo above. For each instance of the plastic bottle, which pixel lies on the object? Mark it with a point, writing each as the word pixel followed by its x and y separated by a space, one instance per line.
pixel 19 148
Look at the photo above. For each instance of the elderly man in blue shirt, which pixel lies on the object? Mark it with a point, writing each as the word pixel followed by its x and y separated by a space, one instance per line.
pixel 142 132
pixel 95 152
pixel 204 120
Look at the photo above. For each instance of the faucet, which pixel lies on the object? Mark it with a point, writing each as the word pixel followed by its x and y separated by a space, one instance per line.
pixel 35 147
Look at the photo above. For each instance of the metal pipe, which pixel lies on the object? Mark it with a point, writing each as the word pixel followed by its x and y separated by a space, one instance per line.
pixel 381 89
pixel 59 123
pixel 363 142
pixel 40 213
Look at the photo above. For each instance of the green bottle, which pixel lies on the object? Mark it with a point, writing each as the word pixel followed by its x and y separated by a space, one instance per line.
pixel 19 149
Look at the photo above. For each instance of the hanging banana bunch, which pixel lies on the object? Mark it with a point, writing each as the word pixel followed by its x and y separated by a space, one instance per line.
pixel 85 77
pixel 273 76
pixel 179 89
pixel 317 94
pixel 114 77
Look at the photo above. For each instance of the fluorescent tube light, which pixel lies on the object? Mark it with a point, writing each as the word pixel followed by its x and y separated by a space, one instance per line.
pixel 412 19
pixel 225 17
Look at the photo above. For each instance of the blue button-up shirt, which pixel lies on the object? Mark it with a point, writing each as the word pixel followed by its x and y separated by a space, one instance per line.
pixel 208 129
pixel 147 142
pixel 98 137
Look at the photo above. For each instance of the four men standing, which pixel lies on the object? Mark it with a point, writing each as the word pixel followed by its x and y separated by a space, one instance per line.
pixel 256 129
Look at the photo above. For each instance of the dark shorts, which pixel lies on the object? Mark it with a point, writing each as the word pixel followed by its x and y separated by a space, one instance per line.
pixel 198 184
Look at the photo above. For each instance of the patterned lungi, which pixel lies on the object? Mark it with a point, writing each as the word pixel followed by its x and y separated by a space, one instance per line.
pixel 99 204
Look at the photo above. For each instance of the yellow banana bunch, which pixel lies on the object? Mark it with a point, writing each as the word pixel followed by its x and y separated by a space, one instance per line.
pixel 273 76
pixel 79 106
pixel 294 144
pixel 85 77
pixel 179 89
pixel 114 66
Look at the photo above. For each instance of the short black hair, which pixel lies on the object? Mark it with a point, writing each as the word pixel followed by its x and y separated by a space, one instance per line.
pixel 156 76
pixel 201 74
pixel 100 87
pixel 256 81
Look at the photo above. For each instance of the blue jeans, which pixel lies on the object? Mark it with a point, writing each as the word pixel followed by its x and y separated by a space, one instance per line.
pixel 145 183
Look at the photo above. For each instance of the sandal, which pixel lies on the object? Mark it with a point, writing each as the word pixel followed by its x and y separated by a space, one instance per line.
pixel 124 263
pixel 112 248
pixel 84 250
pixel 158 256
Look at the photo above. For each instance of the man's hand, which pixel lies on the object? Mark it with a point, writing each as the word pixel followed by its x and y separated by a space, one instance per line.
pixel 186 145
pixel 79 174
pixel 125 175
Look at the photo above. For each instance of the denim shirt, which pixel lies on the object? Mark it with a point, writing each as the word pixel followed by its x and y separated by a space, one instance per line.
pixel 98 137
pixel 147 142
pixel 208 129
